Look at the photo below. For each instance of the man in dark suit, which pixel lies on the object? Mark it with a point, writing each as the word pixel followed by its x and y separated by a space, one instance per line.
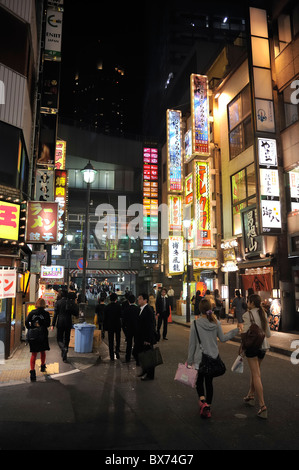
pixel 163 312
pixel 130 319
pixel 112 324
pixel 145 337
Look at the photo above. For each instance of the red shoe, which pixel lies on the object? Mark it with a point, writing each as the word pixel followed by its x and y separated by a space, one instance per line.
pixel 205 411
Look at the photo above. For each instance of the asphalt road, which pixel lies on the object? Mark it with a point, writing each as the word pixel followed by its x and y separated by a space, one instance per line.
pixel 107 408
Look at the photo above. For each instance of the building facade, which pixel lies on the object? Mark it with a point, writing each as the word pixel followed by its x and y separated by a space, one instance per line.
pixel 240 191
pixel 21 28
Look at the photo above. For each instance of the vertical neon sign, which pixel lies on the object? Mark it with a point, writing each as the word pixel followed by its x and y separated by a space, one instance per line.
pixel 175 151
pixel 200 115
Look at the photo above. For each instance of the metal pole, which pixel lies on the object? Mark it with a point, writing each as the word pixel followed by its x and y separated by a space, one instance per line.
pixel 86 232
pixel 188 316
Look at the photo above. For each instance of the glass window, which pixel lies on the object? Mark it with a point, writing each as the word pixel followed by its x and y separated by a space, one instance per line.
pixel 240 123
pixel 239 186
pixel 243 194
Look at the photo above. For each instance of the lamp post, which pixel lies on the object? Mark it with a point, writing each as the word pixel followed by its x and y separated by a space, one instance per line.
pixel 187 225
pixel 89 174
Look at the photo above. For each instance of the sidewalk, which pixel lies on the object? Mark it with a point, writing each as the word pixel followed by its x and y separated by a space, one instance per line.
pixel 15 370
pixel 280 343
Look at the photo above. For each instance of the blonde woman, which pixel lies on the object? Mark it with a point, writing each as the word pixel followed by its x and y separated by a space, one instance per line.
pixel 254 356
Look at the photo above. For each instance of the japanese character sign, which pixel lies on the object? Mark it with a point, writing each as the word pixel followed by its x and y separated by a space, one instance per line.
pixel 200 115
pixel 8 283
pixel 176 255
pixel 267 152
pixel 251 235
pixel 9 221
pixel 42 223
pixel 175 151
pixel 61 199
pixel 60 155
pixel 44 185
pixel 203 204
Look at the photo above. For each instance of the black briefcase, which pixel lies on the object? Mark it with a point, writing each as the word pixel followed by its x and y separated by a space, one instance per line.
pixel 150 358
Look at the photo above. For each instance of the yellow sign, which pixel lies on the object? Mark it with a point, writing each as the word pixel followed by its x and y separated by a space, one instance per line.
pixel 9 221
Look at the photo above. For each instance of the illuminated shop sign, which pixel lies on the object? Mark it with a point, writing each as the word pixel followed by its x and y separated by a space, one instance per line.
pixel 175 151
pixel 250 226
pixel 189 189
pixel 203 204
pixel 60 155
pixel 269 187
pixel 200 115
pixel 42 223
pixel 175 213
pixel 150 203
pixel 176 255
pixel 52 272
pixel 205 263
pixel 294 187
pixel 61 199
pixel 9 221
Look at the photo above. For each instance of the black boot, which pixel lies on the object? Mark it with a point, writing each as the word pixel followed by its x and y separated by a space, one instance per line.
pixel 33 376
pixel 43 368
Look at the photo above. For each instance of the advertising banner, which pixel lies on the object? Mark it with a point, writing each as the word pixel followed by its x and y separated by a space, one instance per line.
pixel 44 186
pixel 53 39
pixel 61 192
pixel 9 221
pixel 174 151
pixel 42 223
pixel 8 283
pixel 203 205
pixel 176 255
pixel 200 115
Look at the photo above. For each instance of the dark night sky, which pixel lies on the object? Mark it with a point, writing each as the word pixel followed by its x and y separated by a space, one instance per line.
pixel 118 32
pixel 108 32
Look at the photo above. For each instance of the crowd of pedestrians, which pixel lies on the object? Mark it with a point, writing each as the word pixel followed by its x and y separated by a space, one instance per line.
pixel 141 320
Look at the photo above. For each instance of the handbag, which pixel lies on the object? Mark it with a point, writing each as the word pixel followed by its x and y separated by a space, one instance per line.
pixel 187 376
pixel 35 334
pixel 238 365
pixel 254 337
pixel 210 366
pixel 150 358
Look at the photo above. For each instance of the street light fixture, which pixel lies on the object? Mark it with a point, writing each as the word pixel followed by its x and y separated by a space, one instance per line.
pixel 89 174
pixel 187 225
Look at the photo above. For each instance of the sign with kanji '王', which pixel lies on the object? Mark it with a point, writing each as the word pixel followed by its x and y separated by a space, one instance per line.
pixel 42 223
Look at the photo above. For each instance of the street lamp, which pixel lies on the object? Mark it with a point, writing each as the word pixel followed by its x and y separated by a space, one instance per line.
pixel 187 225
pixel 89 174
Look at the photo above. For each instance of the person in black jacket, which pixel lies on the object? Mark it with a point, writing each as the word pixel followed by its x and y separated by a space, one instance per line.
pixel 112 324
pixel 145 335
pixel 100 307
pixel 163 312
pixel 64 309
pixel 38 320
pixel 130 319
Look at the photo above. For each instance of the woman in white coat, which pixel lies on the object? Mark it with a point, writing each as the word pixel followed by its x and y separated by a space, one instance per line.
pixel 255 357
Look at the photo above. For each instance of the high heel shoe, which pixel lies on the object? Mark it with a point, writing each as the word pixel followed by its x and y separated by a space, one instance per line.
pixel 249 400
pixel 263 412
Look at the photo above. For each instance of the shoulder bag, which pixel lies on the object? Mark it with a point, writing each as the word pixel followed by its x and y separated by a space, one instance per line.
pixel 35 334
pixel 254 337
pixel 209 366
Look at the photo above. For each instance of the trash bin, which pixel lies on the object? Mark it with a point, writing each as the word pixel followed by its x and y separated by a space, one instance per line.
pixel 84 337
